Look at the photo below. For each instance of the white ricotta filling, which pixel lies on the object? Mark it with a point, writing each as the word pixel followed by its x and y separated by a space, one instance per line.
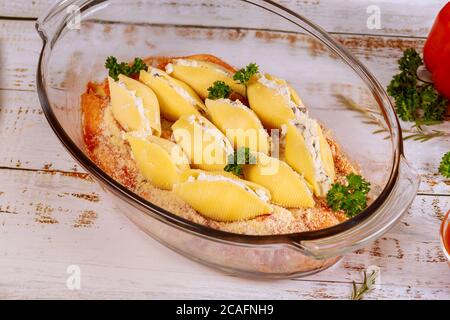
pixel 169 68
pixel 139 103
pixel 234 103
pixel 308 129
pixel 196 64
pixel 211 131
pixel 284 91
pixel 183 93
pixel 261 194
pixel 187 63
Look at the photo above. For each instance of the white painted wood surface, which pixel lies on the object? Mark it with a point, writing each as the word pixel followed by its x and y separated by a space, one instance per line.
pixel 399 17
pixel 52 215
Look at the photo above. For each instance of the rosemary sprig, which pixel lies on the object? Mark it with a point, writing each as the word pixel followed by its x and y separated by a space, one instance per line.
pixel 365 113
pixel 368 285
pixel 416 132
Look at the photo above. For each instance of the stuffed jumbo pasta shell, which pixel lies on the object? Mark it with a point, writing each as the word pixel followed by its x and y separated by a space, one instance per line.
pixel 308 153
pixel 175 97
pixel 273 100
pixel 222 196
pixel 200 75
pixel 205 145
pixel 287 187
pixel 134 106
pixel 160 161
pixel 239 123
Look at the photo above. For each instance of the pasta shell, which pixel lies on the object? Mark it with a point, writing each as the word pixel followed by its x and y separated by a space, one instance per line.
pixel 134 105
pixel 160 161
pixel 201 75
pixel 286 186
pixel 307 152
pixel 175 97
pixel 239 123
pixel 221 197
pixel 273 100
pixel 206 147
pixel 326 155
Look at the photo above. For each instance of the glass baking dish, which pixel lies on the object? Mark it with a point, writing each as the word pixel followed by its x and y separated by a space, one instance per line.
pixel 79 35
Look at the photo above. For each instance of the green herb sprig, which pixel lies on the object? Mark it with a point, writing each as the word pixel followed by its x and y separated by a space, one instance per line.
pixel 238 159
pixel 351 197
pixel 115 68
pixel 219 90
pixel 367 285
pixel 415 101
pixel 369 116
pixel 444 167
pixel 417 132
pixel 244 75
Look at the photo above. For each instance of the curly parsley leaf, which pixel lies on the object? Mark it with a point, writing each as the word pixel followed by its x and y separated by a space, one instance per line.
pixel 244 75
pixel 410 62
pixel 444 167
pixel 115 68
pixel 238 159
pixel 350 198
pixel 219 90
pixel 433 104
pixel 415 102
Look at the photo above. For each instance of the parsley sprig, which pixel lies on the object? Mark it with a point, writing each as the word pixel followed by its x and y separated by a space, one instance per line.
pixel 415 101
pixel 444 167
pixel 219 90
pixel 115 68
pixel 244 75
pixel 238 159
pixel 351 197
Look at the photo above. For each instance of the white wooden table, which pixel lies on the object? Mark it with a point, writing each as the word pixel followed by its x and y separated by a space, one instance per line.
pixel 52 215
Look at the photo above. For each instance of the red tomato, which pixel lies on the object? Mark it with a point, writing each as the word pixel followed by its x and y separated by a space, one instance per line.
pixel 441 79
pixel 436 51
pixel 438 38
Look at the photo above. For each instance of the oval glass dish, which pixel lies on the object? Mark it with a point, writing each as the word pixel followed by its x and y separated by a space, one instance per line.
pixel 79 35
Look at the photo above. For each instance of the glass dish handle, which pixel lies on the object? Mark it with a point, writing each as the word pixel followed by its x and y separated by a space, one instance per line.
pixel 373 227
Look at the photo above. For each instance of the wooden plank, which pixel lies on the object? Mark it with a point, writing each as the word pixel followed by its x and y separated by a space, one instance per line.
pixel 399 18
pixel 27 140
pixel 378 53
pixel 49 221
pixel 19 57
pixel 72 223
pixel 21 113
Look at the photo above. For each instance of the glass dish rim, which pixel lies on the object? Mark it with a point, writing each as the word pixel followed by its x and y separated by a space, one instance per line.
pixel 174 220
